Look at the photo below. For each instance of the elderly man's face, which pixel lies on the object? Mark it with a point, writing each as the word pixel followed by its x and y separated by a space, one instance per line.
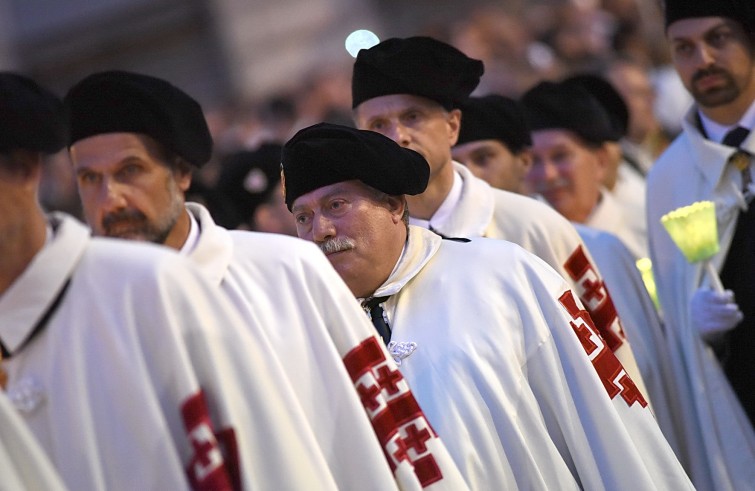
pixel 359 229
pixel 413 122
pixel 493 162
pixel 126 190
pixel 566 172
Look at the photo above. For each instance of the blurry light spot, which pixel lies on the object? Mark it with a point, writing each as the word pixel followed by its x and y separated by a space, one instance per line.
pixel 361 39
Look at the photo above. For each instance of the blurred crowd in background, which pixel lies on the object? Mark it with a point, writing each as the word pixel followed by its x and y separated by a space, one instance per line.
pixel 520 43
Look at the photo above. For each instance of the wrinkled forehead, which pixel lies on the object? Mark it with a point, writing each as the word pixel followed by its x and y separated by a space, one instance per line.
pixel 387 104
pixel 318 197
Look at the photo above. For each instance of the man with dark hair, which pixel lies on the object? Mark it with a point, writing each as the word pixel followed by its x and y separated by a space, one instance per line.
pixel 129 368
pixel 494 142
pixel 410 90
pixel 487 330
pixel 712 331
pixel 135 140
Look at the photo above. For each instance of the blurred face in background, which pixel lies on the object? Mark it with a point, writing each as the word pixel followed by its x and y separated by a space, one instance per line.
pixel 634 85
pixel 566 172
pixel 494 163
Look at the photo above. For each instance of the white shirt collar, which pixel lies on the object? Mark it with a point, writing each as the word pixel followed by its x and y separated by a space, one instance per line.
pixel 193 238
pixel 445 209
pixel 716 132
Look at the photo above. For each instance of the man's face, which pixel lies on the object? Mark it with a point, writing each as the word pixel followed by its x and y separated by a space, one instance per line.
pixel 126 188
pixel 361 234
pixel 714 59
pixel 634 85
pixel 493 162
pixel 413 122
pixel 566 172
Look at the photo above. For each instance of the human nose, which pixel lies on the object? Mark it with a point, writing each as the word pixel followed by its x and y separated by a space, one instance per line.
pixel 543 171
pixel 111 196
pixel 399 134
pixel 322 229
pixel 549 171
pixel 704 55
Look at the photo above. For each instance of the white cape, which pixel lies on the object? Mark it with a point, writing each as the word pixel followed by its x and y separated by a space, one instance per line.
pixel 23 464
pixel 483 211
pixel 146 378
pixel 505 380
pixel 315 327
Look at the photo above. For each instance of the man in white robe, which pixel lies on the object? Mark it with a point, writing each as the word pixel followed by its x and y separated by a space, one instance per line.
pixel 487 330
pixel 409 90
pixel 572 134
pixel 128 367
pixel 283 282
pixel 713 51
pixel 494 121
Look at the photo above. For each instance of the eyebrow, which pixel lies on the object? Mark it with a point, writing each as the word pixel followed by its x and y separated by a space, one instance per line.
pixel 723 23
pixel 339 190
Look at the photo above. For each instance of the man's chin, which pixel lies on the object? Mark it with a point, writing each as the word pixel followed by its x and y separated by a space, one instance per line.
pixel 134 235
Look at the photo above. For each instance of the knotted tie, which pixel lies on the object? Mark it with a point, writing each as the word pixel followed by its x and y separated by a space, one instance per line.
pixel 375 309
pixel 741 160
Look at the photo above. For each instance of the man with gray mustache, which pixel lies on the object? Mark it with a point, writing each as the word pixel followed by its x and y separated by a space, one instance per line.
pixel 135 141
pixel 336 244
pixel 485 331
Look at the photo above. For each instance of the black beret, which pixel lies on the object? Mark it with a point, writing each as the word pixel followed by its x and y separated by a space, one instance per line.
pixel 326 153
pixel 419 66
pixel 117 101
pixel 494 117
pixel 608 96
pixel 551 105
pixel 247 179
pixel 31 117
pixel 740 10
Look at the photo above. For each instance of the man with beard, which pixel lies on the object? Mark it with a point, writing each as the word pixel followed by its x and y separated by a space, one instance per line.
pixel 126 364
pixel 712 333
pixel 488 329
pixel 134 142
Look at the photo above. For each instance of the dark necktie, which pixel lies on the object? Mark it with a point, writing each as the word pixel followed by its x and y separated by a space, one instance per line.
pixel 741 160
pixel 375 308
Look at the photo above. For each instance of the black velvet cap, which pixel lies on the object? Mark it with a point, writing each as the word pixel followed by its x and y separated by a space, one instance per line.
pixel 247 178
pixel 325 154
pixel 417 65
pixel 494 117
pixel 740 10
pixel 551 105
pixel 31 117
pixel 118 101
pixel 608 96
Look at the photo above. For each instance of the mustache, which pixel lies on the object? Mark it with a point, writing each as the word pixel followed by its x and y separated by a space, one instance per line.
pixel 337 244
pixel 709 71
pixel 544 186
pixel 113 218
